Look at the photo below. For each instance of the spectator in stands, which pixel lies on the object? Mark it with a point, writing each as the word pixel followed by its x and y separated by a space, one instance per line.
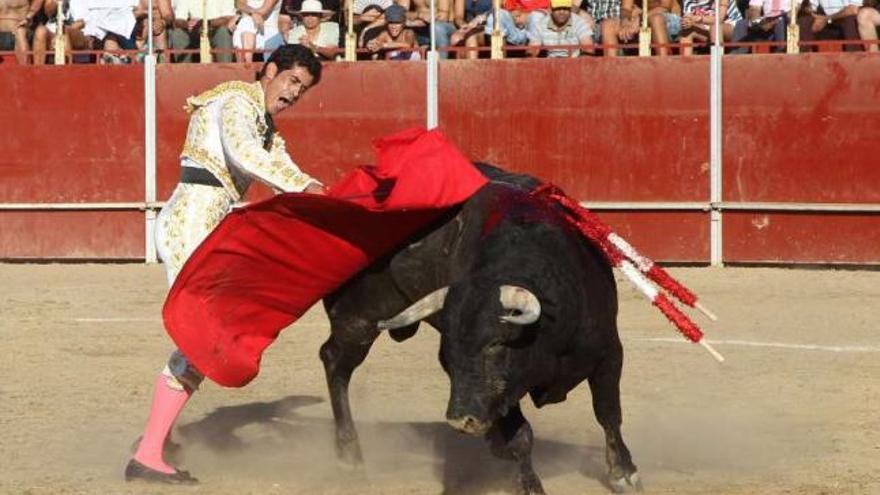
pixel 836 21
pixel 560 28
pixel 163 20
pixel 697 22
pixel 287 19
pixel 44 35
pixel 258 27
pixel 768 21
pixel 614 20
pixel 367 12
pixel 18 20
pixel 418 18
pixel 470 19
pixel 664 18
pixel 315 31
pixel 396 41
pixel 868 19
pixel 444 27
pixel 515 18
pixel 110 26
pixel 187 31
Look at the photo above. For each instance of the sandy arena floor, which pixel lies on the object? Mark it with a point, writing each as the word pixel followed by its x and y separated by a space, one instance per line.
pixel 794 410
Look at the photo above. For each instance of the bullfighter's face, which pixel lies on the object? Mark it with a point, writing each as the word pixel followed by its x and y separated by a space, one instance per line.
pixel 283 89
pixel 487 359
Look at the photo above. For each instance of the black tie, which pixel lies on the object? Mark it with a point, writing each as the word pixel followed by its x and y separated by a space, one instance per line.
pixel 270 131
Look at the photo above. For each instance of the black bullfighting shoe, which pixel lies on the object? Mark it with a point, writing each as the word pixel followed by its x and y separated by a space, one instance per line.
pixel 135 471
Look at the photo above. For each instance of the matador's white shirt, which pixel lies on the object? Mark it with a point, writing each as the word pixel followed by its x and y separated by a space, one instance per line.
pixel 226 135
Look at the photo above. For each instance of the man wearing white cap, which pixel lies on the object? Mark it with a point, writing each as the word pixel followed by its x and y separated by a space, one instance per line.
pixel 314 32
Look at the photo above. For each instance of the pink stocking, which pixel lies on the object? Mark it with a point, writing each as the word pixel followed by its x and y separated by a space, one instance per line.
pixel 167 404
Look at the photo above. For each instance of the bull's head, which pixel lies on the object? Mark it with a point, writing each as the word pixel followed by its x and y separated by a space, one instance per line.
pixel 484 349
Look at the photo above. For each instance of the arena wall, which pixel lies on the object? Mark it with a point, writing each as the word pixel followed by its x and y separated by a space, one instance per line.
pixel 629 137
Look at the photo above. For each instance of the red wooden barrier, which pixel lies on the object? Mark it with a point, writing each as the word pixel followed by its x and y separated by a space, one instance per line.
pixel 797 128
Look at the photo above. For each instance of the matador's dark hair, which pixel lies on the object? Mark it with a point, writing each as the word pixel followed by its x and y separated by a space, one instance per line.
pixel 287 57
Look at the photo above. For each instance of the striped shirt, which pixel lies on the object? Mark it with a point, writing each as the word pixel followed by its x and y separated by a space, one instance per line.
pixel 707 7
pixel 832 7
pixel 603 9
pixel 543 32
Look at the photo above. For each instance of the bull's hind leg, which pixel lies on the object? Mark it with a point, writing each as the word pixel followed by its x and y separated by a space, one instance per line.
pixel 340 360
pixel 511 438
pixel 605 388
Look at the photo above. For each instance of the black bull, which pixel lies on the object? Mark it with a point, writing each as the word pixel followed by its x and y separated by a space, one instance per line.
pixel 524 306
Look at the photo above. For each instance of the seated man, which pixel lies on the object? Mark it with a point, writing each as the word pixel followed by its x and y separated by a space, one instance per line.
pixel 515 18
pixel 315 30
pixel 187 28
pixel 560 28
pixel 868 20
pixel 697 22
pixel 395 40
pixel 836 22
pixel 614 21
pixel 768 21
pixel 17 24
pixel 72 26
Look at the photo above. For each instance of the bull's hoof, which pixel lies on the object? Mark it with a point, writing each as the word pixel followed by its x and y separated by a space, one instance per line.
pixel 529 485
pixel 349 454
pixel 626 483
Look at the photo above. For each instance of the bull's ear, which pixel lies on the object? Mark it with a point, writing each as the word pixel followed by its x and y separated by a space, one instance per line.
pixel 418 311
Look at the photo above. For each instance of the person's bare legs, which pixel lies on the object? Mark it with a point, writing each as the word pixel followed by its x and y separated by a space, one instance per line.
pixel 868 19
pixel 21 46
pixel 687 42
pixel 248 43
pixel 610 29
pixel 657 21
pixel 42 38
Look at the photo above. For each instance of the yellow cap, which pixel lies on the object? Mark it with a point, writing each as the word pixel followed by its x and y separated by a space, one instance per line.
pixel 560 4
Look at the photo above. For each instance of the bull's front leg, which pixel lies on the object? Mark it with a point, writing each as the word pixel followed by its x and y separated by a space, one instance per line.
pixel 340 360
pixel 511 438
pixel 605 388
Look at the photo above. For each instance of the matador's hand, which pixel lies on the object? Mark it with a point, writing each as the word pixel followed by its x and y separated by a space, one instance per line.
pixel 315 188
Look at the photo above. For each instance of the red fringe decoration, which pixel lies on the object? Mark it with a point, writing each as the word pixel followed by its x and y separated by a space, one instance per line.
pixel 674 287
pixel 684 324
pixel 597 231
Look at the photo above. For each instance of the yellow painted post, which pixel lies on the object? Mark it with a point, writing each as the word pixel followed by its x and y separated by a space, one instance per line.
pixel 350 38
pixel 497 45
pixel 60 47
pixel 793 31
pixel 645 33
pixel 204 41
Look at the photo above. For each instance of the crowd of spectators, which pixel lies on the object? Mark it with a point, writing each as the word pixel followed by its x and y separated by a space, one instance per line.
pixel 116 31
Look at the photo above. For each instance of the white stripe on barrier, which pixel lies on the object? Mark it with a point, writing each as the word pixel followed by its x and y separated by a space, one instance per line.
pixel 780 345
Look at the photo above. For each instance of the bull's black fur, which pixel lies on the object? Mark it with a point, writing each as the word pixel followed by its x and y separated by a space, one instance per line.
pixel 501 236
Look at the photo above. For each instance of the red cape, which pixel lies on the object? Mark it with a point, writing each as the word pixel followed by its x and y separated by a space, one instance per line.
pixel 267 263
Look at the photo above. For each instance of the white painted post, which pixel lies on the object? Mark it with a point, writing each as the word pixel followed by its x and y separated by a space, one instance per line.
pixel 150 143
pixel 715 142
pixel 432 73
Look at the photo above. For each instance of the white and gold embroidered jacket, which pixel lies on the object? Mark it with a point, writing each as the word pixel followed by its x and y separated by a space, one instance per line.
pixel 226 136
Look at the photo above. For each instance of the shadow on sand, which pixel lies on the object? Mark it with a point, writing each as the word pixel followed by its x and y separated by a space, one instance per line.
pixel 277 438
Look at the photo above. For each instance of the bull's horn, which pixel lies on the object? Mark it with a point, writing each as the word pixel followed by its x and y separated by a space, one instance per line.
pixel 419 310
pixel 524 302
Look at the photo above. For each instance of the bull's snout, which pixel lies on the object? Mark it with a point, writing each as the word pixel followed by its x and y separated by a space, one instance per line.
pixel 469 424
